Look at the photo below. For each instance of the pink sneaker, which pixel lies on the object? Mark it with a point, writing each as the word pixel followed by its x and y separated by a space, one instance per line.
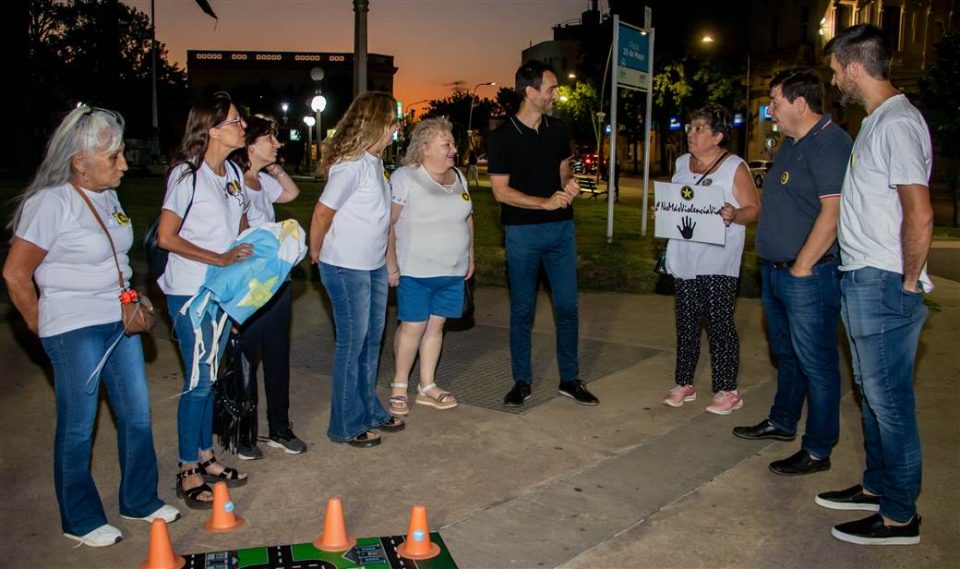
pixel 679 395
pixel 725 402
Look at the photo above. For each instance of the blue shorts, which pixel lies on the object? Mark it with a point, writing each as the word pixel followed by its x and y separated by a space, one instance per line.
pixel 418 298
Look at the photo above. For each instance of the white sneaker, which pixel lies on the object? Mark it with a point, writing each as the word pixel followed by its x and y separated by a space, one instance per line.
pixel 101 537
pixel 165 512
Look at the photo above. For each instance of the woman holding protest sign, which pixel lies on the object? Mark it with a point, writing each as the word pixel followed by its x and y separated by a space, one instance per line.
pixel 707 274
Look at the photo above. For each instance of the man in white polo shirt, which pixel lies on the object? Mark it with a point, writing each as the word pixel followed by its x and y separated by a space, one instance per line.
pixel 886 223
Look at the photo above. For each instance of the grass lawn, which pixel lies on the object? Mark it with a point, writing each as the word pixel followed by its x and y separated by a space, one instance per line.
pixel 626 265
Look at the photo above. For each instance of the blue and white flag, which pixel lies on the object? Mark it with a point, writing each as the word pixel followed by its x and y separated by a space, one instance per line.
pixel 238 290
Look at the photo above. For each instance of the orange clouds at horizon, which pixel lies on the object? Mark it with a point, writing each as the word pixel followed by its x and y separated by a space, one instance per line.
pixel 435 43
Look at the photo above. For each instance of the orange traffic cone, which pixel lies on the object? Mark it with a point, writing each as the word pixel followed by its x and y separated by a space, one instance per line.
pixel 334 537
pixel 222 519
pixel 418 544
pixel 161 550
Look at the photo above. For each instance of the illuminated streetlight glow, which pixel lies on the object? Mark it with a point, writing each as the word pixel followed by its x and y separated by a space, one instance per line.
pixel 309 121
pixel 284 106
pixel 571 76
pixel 706 39
pixel 564 98
pixel 318 103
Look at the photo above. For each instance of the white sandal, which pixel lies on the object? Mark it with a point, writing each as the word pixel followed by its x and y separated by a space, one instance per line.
pixel 445 400
pixel 399 406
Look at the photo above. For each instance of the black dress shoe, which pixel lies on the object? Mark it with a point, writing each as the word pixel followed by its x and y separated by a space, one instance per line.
pixel 763 430
pixel 577 391
pixel 872 531
pixel 517 395
pixel 798 464
pixel 852 498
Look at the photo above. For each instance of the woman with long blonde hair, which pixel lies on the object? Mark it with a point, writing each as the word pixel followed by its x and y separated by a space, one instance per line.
pixel 348 240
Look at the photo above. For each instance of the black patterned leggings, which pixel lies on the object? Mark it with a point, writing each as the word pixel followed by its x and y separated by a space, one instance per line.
pixel 713 296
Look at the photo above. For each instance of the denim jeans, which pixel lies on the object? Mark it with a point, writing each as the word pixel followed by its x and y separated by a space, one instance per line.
pixel 554 246
pixel 803 314
pixel 74 355
pixel 267 333
pixel 883 324
pixel 195 411
pixel 359 300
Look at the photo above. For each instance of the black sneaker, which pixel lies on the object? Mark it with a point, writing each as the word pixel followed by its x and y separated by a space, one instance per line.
pixel 872 531
pixel 517 395
pixel 286 440
pixel 798 464
pixel 249 452
pixel 577 391
pixel 852 498
pixel 763 430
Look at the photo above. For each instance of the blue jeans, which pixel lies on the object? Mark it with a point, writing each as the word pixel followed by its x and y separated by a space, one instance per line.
pixel 195 411
pixel 883 324
pixel 802 318
pixel 359 300
pixel 74 355
pixel 553 245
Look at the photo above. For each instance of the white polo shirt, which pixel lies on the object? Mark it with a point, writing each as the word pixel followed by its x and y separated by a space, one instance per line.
pixel 892 149
pixel 77 277
pixel 359 193
pixel 213 222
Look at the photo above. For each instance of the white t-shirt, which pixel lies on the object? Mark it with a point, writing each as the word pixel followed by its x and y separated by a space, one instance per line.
pixel 78 276
pixel 687 259
pixel 433 238
pixel 213 222
pixel 262 200
pixel 893 148
pixel 359 193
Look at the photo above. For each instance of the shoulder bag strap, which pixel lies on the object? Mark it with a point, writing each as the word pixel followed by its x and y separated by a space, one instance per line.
pixel 713 167
pixel 113 248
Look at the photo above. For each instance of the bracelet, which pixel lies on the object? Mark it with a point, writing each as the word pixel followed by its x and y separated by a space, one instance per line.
pixel 393 272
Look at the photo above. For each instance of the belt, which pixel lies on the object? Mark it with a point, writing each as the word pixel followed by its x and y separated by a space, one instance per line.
pixel 787 264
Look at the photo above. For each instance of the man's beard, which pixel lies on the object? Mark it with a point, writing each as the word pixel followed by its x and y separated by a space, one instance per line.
pixel 849 95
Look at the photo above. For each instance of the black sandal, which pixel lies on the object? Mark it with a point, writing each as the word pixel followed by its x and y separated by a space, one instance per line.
pixel 394 425
pixel 364 440
pixel 229 475
pixel 190 496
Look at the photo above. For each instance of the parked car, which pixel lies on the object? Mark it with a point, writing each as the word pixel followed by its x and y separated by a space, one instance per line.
pixel 587 164
pixel 758 171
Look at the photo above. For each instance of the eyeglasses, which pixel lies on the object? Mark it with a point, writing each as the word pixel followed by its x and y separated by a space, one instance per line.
pixel 697 128
pixel 232 121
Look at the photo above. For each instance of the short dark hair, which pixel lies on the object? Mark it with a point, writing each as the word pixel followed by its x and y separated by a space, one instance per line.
pixel 257 126
pixel 800 82
pixel 864 44
pixel 717 118
pixel 530 74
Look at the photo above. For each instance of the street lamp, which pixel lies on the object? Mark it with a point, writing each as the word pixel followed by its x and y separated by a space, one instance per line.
pixel 406 110
pixel 707 39
pixel 473 100
pixel 309 121
pixel 317 104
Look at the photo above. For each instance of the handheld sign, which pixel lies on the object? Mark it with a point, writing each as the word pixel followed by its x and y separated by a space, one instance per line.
pixel 688 212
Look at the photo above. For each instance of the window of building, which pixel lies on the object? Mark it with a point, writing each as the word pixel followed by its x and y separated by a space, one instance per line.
pixel 842 17
pixel 890 24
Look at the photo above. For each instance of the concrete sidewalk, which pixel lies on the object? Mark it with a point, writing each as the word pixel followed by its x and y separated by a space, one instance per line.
pixel 629 483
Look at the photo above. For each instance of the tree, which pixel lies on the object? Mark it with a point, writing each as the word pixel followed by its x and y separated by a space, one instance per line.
pixel 576 109
pixel 940 100
pixel 98 52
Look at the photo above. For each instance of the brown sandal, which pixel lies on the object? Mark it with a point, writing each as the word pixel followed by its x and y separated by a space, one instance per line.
pixel 445 400
pixel 399 404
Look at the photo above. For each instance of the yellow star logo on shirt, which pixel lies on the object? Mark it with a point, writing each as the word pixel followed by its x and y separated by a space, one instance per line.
pixel 259 292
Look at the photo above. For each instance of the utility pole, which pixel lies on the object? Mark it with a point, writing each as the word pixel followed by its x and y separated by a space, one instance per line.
pixel 360 9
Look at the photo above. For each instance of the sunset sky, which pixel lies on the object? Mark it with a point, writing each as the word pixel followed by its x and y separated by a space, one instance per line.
pixel 434 42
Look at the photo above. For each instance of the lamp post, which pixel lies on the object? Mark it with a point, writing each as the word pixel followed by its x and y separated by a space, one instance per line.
pixel 309 121
pixel 473 100
pixel 317 104
pixel 707 40
pixel 406 110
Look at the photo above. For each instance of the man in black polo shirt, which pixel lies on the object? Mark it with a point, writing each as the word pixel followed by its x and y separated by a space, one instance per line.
pixel 797 245
pixel 530 176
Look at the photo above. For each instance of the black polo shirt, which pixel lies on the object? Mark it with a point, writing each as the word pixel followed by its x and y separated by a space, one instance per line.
pixel 531 158
pixel 803 172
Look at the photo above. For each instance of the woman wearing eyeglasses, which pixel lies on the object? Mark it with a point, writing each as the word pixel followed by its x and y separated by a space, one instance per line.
pixel 60 246
pixel 707 274
pixel 203 212
pixel 348 239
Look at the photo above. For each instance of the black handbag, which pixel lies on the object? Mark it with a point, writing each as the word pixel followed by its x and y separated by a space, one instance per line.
pixel 466 320
pixel 235 407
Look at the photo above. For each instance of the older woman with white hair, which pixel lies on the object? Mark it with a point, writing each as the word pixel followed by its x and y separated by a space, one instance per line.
pixel 429 257
pixel 71 239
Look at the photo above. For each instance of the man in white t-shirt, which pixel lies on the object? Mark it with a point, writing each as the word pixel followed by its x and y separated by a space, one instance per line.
pixel 886 223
